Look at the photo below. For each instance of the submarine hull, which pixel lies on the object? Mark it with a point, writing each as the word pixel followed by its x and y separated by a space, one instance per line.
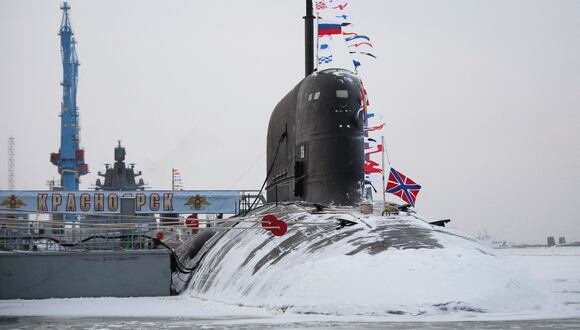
pixel 379 266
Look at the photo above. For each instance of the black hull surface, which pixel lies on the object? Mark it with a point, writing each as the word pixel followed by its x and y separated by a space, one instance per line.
pixel 315 141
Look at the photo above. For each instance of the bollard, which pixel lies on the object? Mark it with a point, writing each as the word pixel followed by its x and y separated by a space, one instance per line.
pixel 366 208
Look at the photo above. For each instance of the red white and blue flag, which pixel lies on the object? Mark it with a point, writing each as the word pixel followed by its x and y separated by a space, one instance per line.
pixel 328 28
pixel 403 187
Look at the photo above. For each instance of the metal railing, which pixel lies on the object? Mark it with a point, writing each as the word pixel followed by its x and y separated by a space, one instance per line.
pixel 247 197
pixel 46 235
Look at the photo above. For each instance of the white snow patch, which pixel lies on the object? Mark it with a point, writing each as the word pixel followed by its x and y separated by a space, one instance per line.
pixel 176 306
pixel 464 277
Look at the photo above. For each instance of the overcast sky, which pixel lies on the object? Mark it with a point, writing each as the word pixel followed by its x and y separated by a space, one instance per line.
pixel 481 98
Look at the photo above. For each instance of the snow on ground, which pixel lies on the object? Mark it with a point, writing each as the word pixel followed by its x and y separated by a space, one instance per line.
pixel 557 267
pixel 519 284
pixel 176 306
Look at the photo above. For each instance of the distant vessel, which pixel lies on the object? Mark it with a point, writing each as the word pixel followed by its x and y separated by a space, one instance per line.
pixel 119 177
pixel 486 239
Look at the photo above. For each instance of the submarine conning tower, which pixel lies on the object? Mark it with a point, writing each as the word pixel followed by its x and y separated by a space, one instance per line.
pixel 315 147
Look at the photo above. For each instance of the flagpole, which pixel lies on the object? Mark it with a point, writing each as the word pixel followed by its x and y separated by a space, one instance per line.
pixel 172 179
pixel 309 38
pixel 316 59
pixel 383 163
pixel 386 152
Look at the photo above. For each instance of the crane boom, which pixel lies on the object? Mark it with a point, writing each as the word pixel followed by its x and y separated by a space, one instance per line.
pixel 70 158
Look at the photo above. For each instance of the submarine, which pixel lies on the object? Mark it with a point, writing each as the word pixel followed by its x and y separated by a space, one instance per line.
pixel 334 259
pixel 314 152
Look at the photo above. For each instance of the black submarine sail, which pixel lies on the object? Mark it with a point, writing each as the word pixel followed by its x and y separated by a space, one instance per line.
pixel 315 143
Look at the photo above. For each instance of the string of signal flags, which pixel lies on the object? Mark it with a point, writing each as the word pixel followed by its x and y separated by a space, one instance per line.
pixel 334 22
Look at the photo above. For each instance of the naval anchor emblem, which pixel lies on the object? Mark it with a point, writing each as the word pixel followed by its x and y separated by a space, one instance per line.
pixel 12 202
pixel 197 202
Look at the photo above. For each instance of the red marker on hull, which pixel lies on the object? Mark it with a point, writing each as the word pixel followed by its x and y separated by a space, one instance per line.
pixel 274 225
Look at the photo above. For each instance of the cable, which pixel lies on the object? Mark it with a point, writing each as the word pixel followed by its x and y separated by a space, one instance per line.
pixel 282 138
pixel 248 170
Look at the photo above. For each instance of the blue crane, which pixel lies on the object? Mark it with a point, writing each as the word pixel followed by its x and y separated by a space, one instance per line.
pixel 70 158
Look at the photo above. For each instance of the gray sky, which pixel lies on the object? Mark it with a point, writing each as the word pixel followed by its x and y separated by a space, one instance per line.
pixel 481 98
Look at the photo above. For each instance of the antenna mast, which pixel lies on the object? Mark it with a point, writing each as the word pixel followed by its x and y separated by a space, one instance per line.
pixel 309 38
pixel 11 163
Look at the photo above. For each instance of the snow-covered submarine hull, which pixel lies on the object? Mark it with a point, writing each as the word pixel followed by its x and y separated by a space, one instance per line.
pixel 379 266
pixel 315 144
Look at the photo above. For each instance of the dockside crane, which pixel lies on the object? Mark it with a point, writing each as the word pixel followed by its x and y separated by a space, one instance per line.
pixel 70 158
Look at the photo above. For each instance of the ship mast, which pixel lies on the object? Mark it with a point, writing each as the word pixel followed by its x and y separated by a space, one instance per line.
pixel 309 38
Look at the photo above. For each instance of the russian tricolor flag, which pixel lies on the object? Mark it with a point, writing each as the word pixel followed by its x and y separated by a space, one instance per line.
pixel 329 28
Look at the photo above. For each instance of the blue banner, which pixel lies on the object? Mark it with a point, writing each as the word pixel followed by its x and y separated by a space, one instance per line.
pixel 109 202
